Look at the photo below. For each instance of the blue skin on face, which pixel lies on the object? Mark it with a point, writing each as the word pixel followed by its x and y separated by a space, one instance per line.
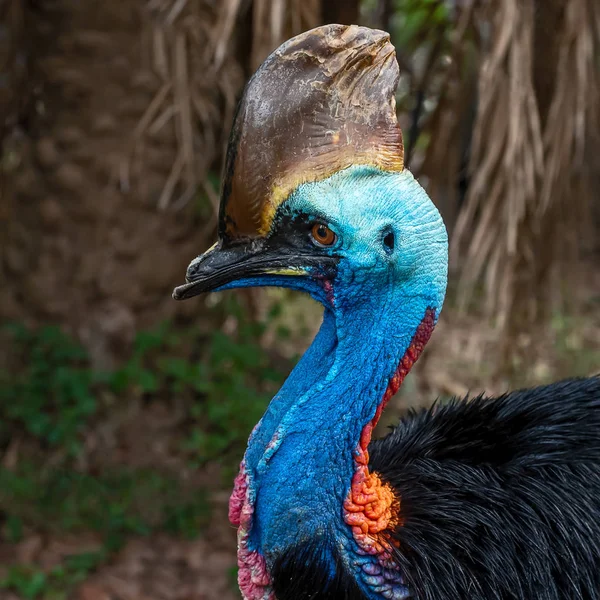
pixel 392 248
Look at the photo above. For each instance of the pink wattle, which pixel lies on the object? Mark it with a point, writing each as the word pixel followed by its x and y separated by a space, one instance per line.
pixel 238 496
pixel 253 577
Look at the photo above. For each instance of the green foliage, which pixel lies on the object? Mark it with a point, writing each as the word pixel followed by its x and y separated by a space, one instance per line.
pixel 416 20
pixel 28 582
pixel 53 393
pixel 234 386
pixel 413 21
pixel 232 577
pixel 225 392
pixel 31 582
pixel 422 32
pixel 50 396
pixel 116 503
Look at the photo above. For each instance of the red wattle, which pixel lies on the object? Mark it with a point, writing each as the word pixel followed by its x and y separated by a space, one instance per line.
pixel 372 508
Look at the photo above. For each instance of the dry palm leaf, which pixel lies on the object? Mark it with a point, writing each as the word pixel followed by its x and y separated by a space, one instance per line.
pixel 523 172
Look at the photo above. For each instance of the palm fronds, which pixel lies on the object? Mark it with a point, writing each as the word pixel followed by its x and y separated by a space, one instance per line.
pixel 536 106
pixel 196 96
pixel 506 159
pixel 273 21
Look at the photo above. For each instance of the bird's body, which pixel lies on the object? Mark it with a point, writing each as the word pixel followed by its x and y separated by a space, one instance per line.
pixel 499 497
pixel 495 499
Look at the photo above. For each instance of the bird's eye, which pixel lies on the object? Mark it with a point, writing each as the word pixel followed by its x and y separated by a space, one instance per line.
pixel 322 235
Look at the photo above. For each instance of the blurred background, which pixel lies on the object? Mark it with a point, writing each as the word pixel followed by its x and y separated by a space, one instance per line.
pixel 123 414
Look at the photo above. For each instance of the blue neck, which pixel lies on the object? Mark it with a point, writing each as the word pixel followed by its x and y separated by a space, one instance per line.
pixel 300 457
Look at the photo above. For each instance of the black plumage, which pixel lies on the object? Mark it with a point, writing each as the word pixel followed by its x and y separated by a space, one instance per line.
pixel 500 499
pixel 304 573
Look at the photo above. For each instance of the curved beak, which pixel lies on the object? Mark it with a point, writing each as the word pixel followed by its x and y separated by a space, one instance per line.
pixel 223 265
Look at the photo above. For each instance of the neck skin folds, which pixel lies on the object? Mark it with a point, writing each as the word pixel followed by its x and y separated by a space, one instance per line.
pixel 303 455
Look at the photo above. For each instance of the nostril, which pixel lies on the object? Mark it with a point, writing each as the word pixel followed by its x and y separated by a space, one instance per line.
pixel 389 240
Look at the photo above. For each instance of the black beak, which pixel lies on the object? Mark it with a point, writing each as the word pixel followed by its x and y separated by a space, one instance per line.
pixel 221 265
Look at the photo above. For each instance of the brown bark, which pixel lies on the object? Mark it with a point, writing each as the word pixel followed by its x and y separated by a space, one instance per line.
pixel 344 12
pixel 12 62
pixel 85 245
pixel 386 12
pixel 548 17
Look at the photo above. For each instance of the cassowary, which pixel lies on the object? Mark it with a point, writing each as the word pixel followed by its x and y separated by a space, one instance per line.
pixel 487 499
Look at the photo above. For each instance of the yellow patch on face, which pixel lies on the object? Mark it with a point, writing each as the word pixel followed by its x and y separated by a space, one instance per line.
pixel 286 271
pixel 277 197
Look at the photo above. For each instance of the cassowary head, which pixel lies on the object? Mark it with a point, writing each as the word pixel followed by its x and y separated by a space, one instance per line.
pixel 315 194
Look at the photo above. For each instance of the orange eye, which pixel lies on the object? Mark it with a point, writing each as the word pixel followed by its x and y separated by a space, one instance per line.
pixel 322 234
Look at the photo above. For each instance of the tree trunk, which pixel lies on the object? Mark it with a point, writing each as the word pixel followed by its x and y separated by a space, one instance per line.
pixel 530 192
pixel 85 245
pixel 344 12
pixel 386 12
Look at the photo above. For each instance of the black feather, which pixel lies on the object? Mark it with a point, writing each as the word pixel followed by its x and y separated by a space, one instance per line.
pixel 313 571
pixel 500 500
pixel 500 497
